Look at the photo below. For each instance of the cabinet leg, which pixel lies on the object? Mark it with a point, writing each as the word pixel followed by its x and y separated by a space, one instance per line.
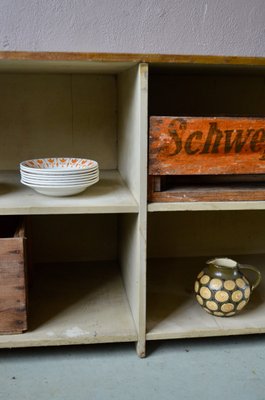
pixel 140 348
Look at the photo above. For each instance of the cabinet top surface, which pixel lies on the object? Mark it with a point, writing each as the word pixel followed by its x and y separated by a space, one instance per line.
pixel 131 58
pixel 113 63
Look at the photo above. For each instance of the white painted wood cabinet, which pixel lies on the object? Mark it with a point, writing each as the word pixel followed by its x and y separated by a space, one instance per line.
pixel 108 266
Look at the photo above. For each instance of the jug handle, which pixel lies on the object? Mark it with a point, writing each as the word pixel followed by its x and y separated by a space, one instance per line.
pixel 253 269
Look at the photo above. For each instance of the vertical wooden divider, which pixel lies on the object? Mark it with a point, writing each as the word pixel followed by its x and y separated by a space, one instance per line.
pixel 132 164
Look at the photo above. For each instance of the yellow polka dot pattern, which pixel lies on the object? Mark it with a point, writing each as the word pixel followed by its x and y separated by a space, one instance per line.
pixel 205 292
pixel 211 305
pixel 199 299
pixel 229 285
pixel 222 297
pixel 237 296
pixel 227 307
pixel 205 279
pixel 215 284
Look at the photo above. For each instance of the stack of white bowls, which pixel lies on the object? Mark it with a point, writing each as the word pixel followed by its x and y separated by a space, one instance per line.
pixel 61 176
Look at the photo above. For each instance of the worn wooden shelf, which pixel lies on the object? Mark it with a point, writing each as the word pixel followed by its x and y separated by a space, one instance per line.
pixel 172 311
pixel 208 193
pixel 75 303
pixel 109 195
pixel 206 206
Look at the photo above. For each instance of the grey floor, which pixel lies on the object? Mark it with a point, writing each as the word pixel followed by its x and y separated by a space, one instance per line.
pixel 214 368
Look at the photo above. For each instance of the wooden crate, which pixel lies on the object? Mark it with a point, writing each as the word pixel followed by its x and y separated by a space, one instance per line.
pixel 206 159
pixel 13 287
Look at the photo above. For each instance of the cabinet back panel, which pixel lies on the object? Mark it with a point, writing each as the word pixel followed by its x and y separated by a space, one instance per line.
pixel 44 115
pixel 61 238
pixel 209 233
pixel 202 95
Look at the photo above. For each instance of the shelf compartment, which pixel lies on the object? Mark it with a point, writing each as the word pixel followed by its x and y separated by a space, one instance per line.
pixel 75 303
pixel 172 311
pixel 109 195
pixel 203 94
pixel 83 109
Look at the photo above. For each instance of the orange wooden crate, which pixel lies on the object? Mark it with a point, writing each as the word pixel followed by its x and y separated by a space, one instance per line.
pixel 13 286
pixel 221 158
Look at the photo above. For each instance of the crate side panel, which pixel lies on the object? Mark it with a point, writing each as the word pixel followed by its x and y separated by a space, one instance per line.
pixel 194 145
pixel 13 298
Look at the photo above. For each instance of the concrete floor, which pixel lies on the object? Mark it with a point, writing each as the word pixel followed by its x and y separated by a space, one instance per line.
pixel 212 368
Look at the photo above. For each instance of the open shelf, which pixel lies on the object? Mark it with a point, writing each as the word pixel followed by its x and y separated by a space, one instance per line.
pixel 172 311
pixel 109 195
pixel 76 303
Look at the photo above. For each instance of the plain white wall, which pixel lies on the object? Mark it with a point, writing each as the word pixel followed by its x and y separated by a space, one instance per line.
pixel 221 27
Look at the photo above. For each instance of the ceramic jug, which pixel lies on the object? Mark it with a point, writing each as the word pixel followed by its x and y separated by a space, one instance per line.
pixel 221 287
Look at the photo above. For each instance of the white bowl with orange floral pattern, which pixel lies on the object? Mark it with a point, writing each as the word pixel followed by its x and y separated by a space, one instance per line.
pixel 59 165
pixel 59 176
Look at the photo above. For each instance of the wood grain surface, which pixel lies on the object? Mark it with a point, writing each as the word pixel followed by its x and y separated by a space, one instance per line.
pixel 209 146
pixel 132 57
pixel 13 291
